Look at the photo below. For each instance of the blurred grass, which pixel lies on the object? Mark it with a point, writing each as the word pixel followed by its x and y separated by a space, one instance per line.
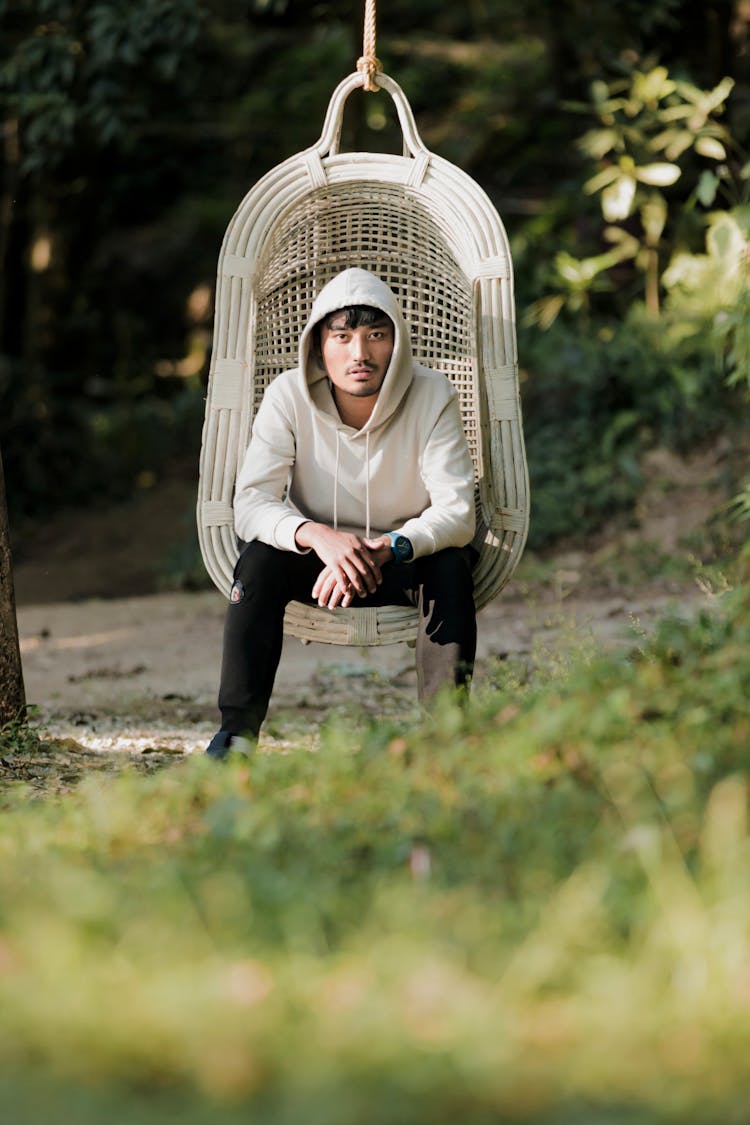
pixel 537 911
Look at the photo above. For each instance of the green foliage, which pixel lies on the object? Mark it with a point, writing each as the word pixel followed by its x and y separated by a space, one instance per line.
pixel 91 72
pixel 593 403
pixel 620 376
pixel 711 291
pixel 18 737
pixel 528 912
pixel 79 450
pixel 650 126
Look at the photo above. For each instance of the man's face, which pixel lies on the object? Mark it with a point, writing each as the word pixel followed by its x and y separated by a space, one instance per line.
pixel 356 359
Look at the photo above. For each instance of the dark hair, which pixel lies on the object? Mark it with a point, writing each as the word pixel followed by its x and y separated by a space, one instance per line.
pixel 357 316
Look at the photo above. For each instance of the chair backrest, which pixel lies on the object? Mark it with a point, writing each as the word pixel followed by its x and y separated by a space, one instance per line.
pixel 433 236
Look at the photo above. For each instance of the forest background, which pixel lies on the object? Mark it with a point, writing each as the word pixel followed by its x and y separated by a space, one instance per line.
pixel 611 137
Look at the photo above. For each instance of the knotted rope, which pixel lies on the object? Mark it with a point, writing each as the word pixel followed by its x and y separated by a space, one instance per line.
pixel 369 63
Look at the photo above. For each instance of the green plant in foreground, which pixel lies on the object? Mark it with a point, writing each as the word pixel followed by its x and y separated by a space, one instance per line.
pixel 537 910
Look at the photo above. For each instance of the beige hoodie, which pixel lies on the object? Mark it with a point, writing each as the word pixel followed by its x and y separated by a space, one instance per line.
pixel 407 470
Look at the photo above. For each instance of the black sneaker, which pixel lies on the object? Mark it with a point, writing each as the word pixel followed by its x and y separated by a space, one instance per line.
pixel 225 743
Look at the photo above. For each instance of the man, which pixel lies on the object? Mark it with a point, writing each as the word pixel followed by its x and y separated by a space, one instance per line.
pixel 357 489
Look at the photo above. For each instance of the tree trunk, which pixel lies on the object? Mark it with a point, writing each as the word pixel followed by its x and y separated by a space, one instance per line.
pixel 12 695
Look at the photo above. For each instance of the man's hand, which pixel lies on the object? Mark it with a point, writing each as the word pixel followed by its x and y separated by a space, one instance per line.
pixel 352 565
pixel 331 592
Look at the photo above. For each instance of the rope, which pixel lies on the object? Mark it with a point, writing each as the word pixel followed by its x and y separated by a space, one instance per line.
pixel 369 63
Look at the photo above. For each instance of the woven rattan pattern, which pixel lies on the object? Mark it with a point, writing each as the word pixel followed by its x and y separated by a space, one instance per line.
pixel 394 237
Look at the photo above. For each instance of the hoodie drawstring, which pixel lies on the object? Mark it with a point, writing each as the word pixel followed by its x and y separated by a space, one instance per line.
pixel 336 483
pixel 367 484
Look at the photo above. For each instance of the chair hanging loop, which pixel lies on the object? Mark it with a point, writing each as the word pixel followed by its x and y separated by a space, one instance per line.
pixel 369 64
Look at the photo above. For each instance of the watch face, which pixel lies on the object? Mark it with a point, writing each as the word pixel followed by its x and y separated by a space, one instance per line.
pixel 402 548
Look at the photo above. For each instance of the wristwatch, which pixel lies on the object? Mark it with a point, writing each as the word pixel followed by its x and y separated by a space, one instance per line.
pixel 401 546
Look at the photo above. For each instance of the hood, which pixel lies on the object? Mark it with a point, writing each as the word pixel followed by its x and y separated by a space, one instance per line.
pixel 360 287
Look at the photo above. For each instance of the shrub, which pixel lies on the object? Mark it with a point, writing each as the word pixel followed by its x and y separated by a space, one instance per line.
pixel 594 402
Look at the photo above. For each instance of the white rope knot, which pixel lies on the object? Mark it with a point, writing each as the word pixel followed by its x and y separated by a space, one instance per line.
pixel 369 66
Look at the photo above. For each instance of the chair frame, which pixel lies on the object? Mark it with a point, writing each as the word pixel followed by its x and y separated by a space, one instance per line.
pixel 430 231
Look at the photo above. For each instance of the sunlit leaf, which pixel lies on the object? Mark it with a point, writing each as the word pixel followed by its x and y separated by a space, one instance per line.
pixel 672 142
pixel 598 142
pixel 676 113
pixel 545 311
pixel 601 179
pixel 725 240
pixel 707 101
pixel 572 270
pixel 617 199
pixel 654 217
pixel 654 85
pixel 658 175
pixel 627 244
pixel 599 90
pixel 710 147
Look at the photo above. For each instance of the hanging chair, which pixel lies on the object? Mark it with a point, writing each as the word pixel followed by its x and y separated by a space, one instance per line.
pixel 425 228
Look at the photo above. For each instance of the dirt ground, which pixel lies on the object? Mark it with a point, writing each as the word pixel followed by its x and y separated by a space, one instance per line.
pixel 112 666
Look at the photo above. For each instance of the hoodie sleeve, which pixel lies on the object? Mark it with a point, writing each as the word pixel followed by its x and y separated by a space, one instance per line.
pixel 448 474
pixel 260 512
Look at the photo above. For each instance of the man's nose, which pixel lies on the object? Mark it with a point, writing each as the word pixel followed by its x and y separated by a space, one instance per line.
pixel 359 346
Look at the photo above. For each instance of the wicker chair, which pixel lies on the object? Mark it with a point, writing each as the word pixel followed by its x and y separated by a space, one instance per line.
pixel 429 232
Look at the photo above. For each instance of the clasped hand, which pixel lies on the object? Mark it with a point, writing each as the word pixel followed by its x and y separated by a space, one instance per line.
pixel 352 564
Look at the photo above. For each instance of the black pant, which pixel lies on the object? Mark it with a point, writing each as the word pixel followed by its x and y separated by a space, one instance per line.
pixel 266 579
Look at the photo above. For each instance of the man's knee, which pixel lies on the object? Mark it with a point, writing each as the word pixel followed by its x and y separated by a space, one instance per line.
pixel 261 572
pixel 256 561
pixel 448 571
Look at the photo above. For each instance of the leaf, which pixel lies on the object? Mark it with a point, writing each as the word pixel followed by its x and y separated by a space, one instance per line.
pixel 658 175
pixel 654 85
pixel 598 142
pixel 627 244
pixel 710 147
pixel 707 101
pixel 599 91
pixel 545 311
pixel 705 192
pixel 654 217
pixel 601 180
pixel 676 112
pixel 726 242
pixel 672 142
pixel 617 199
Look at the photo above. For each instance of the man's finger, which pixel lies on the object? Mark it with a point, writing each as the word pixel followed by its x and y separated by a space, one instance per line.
pixel 358 576
pixel 370 572
pixel 338 595
pixel 323 587
pixel 319 582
